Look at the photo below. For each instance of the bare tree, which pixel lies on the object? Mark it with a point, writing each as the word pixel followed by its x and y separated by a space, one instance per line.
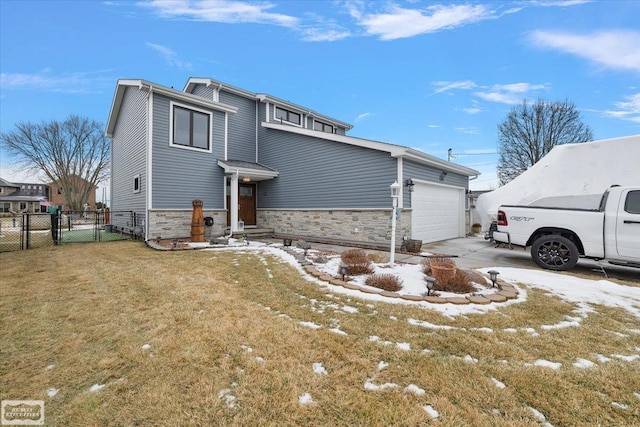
pixel 530 131
pixel 73 153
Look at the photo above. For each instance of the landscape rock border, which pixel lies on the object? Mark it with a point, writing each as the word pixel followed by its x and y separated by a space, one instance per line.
pixel 504 291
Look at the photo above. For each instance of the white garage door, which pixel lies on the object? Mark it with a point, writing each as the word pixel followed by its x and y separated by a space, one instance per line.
pixel 437 212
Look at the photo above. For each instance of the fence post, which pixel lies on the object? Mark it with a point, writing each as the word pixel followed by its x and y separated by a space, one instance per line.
pixel 54 226
pixel 27 218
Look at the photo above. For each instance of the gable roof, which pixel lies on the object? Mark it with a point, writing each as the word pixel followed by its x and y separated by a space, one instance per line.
pixel 262 97
pixel 150 87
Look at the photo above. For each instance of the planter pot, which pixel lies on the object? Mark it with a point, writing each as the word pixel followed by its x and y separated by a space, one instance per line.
pixel 443 271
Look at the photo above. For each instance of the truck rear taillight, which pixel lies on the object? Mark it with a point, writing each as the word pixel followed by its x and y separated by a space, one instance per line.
pixel 502 218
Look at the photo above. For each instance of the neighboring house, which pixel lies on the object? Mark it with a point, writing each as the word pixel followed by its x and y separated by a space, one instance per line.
pixel 57 199
pixel 23 197
pixel 259 161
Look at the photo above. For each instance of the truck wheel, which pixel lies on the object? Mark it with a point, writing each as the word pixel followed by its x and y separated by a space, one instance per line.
pixel 554 252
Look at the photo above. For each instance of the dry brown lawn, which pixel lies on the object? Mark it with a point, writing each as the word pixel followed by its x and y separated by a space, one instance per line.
pixel 230 346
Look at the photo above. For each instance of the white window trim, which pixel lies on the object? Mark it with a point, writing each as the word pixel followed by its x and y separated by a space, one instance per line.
pixel 199 110
pixel 300 125
pixel 137 177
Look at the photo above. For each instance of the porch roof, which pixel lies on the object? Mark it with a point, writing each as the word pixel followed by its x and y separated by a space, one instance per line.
pixel 248 171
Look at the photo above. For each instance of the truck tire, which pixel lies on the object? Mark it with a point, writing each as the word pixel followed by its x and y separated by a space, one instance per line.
pixel 554 252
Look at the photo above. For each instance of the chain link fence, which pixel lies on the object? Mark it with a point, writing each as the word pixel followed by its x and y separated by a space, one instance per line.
pixel 35 230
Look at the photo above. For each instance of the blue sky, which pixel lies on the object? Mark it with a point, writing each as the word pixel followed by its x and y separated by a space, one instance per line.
pixel 424 74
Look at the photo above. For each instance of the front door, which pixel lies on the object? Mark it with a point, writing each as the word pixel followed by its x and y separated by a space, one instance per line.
pixel 246 204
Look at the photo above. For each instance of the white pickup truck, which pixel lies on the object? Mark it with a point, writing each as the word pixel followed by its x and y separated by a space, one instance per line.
pixel 558 236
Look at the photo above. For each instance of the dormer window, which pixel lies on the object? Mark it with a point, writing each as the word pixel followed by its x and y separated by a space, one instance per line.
pixel 288 116
pixel 323 127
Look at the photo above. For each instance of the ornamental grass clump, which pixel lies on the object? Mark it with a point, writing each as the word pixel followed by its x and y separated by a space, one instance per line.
pixel 388 282
pixel 357 262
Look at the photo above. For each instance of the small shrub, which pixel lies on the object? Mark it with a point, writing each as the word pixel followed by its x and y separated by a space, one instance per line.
pixel 357 262
pixel 353 255
pixel 388 282
pixel 460 283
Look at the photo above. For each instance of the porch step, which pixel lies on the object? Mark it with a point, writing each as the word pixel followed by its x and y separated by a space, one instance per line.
pixel 253 232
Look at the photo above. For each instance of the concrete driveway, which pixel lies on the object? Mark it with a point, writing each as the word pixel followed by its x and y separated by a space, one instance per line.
pixel 476 252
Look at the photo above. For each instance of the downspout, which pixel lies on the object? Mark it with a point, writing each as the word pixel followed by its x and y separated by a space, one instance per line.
pixel 149 159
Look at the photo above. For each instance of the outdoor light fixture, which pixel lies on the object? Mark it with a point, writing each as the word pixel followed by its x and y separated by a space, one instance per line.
pixel 395 193
pixel 395 190
pixel 431 282
pixel 410 184
pixel 343 269
pixel 442 175
pixel 246 179
pixel 494 276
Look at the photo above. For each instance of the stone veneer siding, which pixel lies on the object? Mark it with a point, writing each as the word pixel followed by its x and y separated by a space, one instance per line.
pixel 350 225
pixel 176 224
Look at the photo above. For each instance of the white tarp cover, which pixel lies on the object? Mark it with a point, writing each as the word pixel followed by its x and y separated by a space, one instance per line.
pixel 569 170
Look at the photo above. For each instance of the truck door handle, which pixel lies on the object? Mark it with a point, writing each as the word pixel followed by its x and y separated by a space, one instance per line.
pixel 628 221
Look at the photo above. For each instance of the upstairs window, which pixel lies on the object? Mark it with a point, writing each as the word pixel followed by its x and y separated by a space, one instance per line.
pixel 288 116
pixel 323 127
pixel 191 128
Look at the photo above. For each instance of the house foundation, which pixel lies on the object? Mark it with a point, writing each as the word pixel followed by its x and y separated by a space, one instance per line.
pixel 371 226
pixel 176 224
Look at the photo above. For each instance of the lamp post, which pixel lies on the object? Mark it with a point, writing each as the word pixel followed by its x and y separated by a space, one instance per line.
pixel 395 193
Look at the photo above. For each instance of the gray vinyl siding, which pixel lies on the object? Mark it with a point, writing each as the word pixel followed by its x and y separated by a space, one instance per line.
pixel 128 159
pixel 316 173
pixel 203 91
pixel 413 170
pixel 242 128
pixel 181 175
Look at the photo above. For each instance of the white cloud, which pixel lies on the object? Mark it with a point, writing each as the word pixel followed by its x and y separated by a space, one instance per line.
pixel 617 49
pixel 224 11
pixel 559 3
pixel 400 22
pixel 444 86
pixel 324 34
pixel 363 116
pixel 76 82
pixel 627 110
pixel 170 56
pixel 468 131
pixel 472 110
pixel 511 94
